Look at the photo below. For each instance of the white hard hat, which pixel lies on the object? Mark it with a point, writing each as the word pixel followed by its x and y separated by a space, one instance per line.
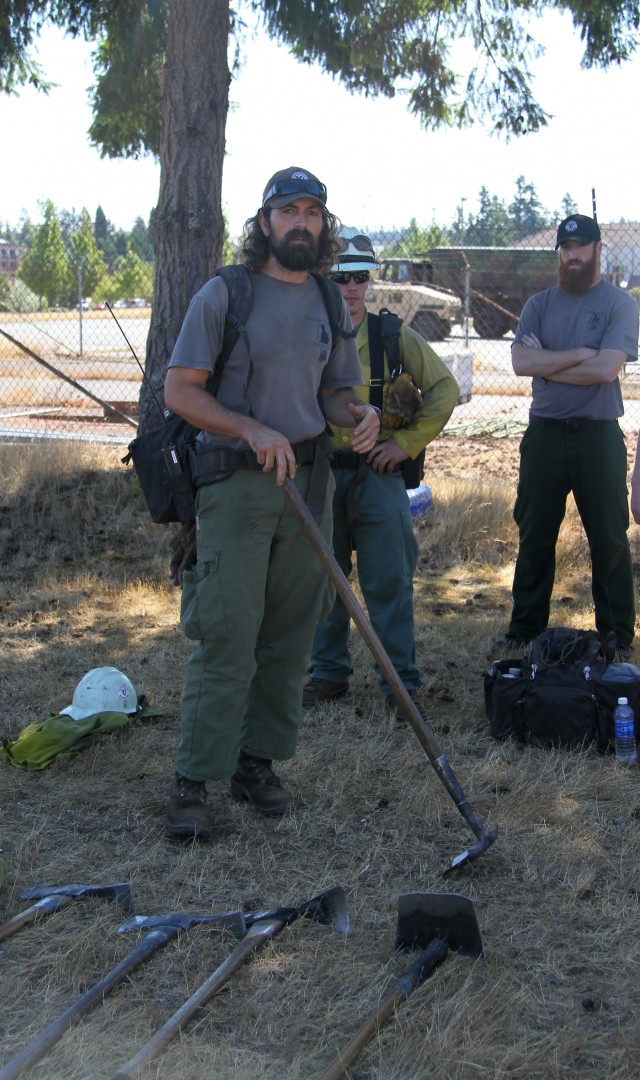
pixel 103 689
pixel 357 253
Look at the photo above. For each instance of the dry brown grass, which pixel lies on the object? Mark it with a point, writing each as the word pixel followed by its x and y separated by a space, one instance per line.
pixel 83 583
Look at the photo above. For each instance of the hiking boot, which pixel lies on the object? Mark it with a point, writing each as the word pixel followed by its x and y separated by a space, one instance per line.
pixel 255 781
pixel 617 651
pixel 510 643
pixel 401 714
pixel 187 814
pixel 317 690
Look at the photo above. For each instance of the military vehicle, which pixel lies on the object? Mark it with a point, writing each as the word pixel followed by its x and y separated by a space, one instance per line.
pixel 498 280
pixel 402 286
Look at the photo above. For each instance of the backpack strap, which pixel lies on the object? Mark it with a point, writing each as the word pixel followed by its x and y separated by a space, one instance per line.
pixel 384 339
pixel 238 281
pixel 335 310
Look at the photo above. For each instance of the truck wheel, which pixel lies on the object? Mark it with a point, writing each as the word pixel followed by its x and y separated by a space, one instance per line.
pixel 488 322
pixel 430 326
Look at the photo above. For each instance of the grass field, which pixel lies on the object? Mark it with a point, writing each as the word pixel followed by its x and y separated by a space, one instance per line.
pixel 84 583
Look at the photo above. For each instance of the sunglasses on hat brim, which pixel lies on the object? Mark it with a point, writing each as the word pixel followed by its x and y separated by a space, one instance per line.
pixel 297 187
pixel 359 276
pixel 360 242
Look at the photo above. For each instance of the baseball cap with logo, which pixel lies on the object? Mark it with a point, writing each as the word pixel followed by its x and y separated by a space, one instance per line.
pixel 293 183
pixel 579 227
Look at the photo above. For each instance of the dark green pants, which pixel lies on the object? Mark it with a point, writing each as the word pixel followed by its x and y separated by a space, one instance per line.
pixel 590 460
pixel 251 604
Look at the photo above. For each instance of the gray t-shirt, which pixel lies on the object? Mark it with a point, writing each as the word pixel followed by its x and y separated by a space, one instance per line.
pixel 603 317
pixel 277 368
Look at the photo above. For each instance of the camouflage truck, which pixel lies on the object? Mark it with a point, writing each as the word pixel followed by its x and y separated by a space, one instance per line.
pixel 499 281
pixel 402 286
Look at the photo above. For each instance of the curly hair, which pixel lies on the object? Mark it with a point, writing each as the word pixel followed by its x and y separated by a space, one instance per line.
pixel 255 245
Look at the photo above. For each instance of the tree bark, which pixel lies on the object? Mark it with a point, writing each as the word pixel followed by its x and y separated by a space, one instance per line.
pixel 188 226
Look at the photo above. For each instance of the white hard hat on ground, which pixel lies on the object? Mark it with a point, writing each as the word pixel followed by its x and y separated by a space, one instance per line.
pixel 103 689
pixel 357 253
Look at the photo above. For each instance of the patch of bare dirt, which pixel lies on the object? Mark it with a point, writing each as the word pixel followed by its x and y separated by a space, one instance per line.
pixel 452 457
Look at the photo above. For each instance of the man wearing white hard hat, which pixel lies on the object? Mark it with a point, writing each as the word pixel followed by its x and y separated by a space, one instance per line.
pixel 371 510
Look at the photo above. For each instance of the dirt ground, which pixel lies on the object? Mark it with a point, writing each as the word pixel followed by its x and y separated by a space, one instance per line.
pixel 452 457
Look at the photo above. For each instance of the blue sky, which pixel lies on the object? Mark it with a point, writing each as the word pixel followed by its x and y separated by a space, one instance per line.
pixel 289 114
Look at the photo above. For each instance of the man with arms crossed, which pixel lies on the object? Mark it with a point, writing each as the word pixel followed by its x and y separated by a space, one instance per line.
pixel 572 341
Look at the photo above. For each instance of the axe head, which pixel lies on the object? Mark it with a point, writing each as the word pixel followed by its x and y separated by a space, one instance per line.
pixel 329 908
pixel 425 916
pixel 121 893
pixel 231 920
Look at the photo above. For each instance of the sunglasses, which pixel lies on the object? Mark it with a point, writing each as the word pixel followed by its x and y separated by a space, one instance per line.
pixel 297 187
pixel 360 242
pixel 359 276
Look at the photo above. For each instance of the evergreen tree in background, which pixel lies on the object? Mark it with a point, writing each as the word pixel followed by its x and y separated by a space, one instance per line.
pixel 162 86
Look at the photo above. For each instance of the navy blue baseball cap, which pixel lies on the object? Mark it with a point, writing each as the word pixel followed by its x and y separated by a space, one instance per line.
pixel 578 227
pixel 293 183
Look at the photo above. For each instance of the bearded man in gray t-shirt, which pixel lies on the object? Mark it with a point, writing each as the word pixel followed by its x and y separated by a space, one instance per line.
pixel 253 599
pixel 572 341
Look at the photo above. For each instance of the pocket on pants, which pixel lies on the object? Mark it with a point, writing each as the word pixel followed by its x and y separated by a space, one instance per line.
pixel 202 615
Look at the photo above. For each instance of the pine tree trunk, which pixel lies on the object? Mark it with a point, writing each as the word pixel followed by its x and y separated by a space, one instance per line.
pixel 187 223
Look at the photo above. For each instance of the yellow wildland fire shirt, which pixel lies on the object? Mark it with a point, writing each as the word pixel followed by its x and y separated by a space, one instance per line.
pixel 440 392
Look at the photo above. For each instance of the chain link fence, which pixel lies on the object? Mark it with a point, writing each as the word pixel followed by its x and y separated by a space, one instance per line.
pixel 67 369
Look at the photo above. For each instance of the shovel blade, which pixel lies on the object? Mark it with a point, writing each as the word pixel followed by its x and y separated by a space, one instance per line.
pixel 422 917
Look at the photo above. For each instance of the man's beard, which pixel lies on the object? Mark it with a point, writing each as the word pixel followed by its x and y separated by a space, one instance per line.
pixel 295 256
pixel 577 280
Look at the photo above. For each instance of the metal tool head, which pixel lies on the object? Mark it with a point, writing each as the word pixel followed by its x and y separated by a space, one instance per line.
pixel 230 920
pixel 121 893
pixel 422 917
pixel 472 853
pixel 329 908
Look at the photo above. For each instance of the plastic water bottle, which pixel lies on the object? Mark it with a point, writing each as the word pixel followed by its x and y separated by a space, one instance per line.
pixel 625 737
pixel 419 500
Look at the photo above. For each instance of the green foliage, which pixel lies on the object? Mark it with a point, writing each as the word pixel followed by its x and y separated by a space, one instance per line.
pixel 128 64
pixel 45 266
pixel 86 256
pixel 133 278
pixel 526 210
pixel 491 225
pixel 372 46
pixel 415 241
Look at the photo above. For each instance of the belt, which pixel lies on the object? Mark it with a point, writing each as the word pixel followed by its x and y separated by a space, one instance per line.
pixel 210 465
pixel 348 459
pixel 576 423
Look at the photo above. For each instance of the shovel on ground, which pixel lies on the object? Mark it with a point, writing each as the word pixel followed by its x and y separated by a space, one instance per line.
pixel 434 922
pixel 421 728
pixel 52 898
pixel 329 908
pixel 165 927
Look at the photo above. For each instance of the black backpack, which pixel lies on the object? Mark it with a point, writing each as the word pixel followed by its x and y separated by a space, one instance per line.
pixel 384 340
pixel 161 457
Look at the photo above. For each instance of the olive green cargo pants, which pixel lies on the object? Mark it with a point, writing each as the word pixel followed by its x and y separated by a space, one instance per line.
pixel 252 603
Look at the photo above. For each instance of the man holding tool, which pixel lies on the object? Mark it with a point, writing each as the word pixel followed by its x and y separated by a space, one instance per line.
pixel 253 598
pixel 371 507
pixel 572 341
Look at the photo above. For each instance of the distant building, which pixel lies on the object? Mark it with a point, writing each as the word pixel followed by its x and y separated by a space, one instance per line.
pixel 9 258
pixel 620 260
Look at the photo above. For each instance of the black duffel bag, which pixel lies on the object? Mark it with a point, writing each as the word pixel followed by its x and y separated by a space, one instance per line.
pixel 548 698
